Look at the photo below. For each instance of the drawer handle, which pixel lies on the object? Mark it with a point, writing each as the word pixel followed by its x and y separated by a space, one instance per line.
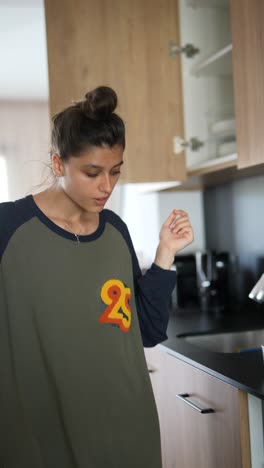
pixel 184 396
pixel 151 370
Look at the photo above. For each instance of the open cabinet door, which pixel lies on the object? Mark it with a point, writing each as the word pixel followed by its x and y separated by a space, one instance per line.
pixel 248 66
pixel 123 44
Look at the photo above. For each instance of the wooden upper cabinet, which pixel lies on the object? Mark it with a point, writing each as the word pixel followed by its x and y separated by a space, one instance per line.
pixel 247 17
pixel 123 44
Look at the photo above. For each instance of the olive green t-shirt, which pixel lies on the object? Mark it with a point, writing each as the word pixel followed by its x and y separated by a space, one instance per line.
pixel 74 386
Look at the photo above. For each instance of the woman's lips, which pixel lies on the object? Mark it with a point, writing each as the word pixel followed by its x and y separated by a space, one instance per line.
pixel 101 201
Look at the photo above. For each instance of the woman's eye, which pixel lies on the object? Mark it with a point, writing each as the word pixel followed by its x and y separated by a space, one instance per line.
pixel 96 175
pixel 91 175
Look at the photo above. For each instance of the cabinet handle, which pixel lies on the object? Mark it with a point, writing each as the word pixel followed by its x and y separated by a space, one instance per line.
pixel 189 50
pixel 184 396
pixel 151 369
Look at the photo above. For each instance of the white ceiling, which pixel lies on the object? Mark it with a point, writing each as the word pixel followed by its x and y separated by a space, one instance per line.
pixel 23 53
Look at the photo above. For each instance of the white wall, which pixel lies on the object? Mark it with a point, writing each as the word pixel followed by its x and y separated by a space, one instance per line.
pixel 23 51
pixel 144 213
pixel 192 203
pixel 24 144
pixel 140 213
pixel 3 180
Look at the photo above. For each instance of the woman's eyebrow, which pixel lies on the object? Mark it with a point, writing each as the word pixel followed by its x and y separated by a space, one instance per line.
pixel 94 166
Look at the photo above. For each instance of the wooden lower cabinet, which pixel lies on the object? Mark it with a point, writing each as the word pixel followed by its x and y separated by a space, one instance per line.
pixel 192 439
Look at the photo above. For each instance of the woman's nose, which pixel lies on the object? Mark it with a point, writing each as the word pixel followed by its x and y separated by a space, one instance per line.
pixel 105 184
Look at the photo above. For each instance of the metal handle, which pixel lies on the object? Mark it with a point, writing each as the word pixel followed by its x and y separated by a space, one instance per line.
pixel 151 369
pixel 184 396
pixel 189 50
pixel 179 144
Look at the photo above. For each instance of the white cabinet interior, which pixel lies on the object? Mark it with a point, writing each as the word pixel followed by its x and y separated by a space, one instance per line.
pixel 208 82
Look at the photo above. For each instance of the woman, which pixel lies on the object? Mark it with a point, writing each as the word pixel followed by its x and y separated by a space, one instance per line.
pixel 75 310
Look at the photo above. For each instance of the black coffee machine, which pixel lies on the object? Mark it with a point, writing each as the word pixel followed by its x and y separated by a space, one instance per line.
pixel 202 281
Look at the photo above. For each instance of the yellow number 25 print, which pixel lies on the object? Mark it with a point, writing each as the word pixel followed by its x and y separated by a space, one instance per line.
pixel 118 311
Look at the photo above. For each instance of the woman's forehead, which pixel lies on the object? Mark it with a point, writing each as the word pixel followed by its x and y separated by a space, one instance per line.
pixel 100 157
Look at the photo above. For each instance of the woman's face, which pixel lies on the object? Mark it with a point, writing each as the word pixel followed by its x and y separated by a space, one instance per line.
pixel 88 180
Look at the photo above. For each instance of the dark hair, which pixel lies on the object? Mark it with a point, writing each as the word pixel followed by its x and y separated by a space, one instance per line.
pixel 87 123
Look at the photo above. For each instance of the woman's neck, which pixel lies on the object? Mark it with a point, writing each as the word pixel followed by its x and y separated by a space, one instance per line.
pixel 63 211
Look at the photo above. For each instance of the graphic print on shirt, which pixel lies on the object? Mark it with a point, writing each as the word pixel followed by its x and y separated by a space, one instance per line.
pixel 118 311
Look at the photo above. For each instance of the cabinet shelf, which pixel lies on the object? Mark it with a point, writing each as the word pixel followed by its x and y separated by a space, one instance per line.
pixel 207 3
pixel 211 165
pixel 218 63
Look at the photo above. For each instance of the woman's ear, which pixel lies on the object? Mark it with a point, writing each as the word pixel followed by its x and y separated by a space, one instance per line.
pixel 57 165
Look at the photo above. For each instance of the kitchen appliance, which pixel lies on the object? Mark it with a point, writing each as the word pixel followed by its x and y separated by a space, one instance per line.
pixel 202 281
pixel 257 293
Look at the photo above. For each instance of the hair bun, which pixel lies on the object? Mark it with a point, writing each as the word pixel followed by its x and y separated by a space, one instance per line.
pixel 99 103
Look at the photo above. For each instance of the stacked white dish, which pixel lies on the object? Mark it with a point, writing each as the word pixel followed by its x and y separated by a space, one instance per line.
pixel 223 127
pixel 225 132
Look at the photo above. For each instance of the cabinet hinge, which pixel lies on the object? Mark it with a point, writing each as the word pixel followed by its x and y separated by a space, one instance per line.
pixel 189 50
pixel 194 144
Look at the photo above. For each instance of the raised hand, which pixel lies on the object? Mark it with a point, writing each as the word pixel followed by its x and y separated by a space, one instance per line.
pixel 175 234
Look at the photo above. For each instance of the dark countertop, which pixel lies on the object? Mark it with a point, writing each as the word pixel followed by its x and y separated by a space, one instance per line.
pixel 242 370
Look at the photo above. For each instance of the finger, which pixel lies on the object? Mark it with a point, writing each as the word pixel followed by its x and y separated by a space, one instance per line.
pixel 170 218
pixel 182 228
pixel 180 223
pixel 177 221
pixel 180 212
pixel 186 233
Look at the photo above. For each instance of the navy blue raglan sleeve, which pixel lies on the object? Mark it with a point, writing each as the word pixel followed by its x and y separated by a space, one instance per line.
pixel 152 291
pixel 13 215
pixel 6 217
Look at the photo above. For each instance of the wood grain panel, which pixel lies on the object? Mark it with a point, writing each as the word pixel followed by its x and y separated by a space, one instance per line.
pixel 123 44
pixel 191 439
pixel 202 440
pixel 247 19
pixel 155 362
